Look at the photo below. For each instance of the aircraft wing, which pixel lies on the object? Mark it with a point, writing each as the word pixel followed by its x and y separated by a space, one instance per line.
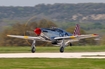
pixel 78 36
pixel 25 37
pixel 66 37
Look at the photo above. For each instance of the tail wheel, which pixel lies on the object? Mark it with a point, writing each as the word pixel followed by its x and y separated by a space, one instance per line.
pixel 62 49
pixel 33 50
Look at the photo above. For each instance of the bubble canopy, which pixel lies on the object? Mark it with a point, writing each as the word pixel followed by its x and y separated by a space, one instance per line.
pixel 54 32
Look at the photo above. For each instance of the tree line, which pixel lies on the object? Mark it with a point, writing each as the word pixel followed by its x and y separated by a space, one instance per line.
pixel 22 29
pixel 59 11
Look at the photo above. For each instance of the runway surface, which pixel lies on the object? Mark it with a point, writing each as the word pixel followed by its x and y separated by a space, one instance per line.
pixel 54 55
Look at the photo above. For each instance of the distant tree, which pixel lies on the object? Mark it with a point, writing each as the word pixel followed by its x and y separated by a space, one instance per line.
pixel 102 41
pixel 17 29
pixel 97 26
pixel 71 30
pixel 46 24
pixel 21 29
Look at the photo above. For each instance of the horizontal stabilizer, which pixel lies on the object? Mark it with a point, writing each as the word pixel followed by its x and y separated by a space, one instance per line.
pixel 88 36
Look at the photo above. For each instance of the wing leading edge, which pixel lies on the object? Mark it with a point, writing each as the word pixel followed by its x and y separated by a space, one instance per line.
pixel 65 37
pixel 25 37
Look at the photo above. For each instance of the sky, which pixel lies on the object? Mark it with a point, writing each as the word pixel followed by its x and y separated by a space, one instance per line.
pixel 35 2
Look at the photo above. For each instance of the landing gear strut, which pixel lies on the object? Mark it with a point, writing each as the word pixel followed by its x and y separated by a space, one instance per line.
pixel 62 46
pixel 33 46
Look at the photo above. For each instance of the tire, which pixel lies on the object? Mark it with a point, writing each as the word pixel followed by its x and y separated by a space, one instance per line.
pixel 33 50
pixel 71 44
pixel 62 49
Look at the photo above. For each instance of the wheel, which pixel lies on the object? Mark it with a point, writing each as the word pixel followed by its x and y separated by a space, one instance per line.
pixel 62 49
pixel 71 44
pixel 33 50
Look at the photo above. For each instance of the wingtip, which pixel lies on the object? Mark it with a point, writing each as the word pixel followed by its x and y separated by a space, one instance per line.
pixel 95 35
pixel 7 35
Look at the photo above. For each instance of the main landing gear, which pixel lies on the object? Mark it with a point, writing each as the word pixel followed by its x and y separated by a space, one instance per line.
pixel 61 49
pixel 33 46
pixel 71 44
pixel 62 46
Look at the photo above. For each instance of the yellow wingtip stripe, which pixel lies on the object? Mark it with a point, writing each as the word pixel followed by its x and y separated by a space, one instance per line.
pixel 8 35
pixel 26 37
pixel 72 37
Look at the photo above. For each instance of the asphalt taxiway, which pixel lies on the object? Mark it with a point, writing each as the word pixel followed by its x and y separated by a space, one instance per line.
pixel 54 55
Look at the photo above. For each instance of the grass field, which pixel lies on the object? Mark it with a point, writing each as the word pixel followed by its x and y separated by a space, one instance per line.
pixel 50 63
pixel 52 49
pixel 45 63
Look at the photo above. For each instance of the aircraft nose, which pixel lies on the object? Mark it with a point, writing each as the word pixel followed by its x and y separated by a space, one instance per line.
pixel 37 31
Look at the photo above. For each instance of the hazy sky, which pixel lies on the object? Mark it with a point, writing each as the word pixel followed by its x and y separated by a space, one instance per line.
pixel 35 2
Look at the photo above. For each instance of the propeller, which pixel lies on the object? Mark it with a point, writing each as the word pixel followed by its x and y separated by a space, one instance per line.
pixel 29 29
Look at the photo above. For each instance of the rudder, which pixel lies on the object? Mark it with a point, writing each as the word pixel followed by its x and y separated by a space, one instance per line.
pixel 77 30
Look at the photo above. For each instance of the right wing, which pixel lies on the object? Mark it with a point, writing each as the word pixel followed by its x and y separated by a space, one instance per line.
pixel 25 37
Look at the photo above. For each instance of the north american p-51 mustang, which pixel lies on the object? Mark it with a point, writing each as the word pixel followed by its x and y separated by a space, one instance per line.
pixel 56 36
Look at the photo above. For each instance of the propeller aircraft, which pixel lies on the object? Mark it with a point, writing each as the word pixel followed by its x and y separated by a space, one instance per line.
pixel 56 36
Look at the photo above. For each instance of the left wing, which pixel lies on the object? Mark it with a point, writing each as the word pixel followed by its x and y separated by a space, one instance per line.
pixel 65 37
pixel 25 37
pixel 77 37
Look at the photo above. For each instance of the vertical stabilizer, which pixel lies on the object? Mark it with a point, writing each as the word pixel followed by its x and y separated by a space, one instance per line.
pixel 77 30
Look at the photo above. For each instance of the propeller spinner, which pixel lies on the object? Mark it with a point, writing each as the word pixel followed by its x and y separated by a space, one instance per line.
pixel 37 31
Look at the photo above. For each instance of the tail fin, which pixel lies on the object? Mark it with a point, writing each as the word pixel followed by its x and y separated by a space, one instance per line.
pixel 77 30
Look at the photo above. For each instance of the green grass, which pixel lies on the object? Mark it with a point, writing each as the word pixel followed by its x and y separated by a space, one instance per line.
pixel 45 63
pixel 52 49
pixel 51 63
